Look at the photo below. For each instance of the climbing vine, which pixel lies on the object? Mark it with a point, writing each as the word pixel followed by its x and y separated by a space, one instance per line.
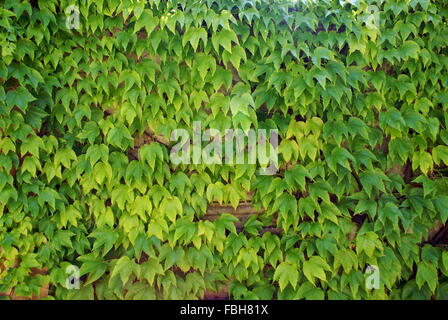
pixel 91 91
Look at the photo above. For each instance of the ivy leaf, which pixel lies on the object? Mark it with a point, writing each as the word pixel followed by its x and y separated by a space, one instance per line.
pixel 445 260
pixel 241 104
pixel 97 152
pixel 368 243
pixel 423 105
pixel 321 53
pixel 19 97
pixel 215 192
pixel 286 273
pixel 102 170
pixel 296 176
pixel 105 238
pixel 146 20
pixel 193 35
pixel 142 207
pixel 440 153
pixel 309 292
pixel 150 153
pixel 409 49
pixel 423 160
pixel 150 269
pixel 120 137
pixel 441 203
pixel 373 178
pixel 224 38
pixel 226 222
pixel 90 132
pixel 94 268
pixel 347 259
pixel 171 207
pixel 123 267
pixel 315 267
pixel 70 214
pixel 64 157
pixel 288 148
pixel 427 273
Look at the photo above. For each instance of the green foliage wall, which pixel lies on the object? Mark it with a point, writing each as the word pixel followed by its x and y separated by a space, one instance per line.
pixel 85 174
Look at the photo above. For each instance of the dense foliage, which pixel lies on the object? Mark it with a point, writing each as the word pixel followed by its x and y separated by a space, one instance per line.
pixel 86 179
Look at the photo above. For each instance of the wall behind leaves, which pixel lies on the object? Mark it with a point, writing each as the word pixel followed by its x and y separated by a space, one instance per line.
pixel 356 89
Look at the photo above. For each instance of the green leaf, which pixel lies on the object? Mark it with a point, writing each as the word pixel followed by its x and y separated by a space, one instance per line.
pixel 171 208
pixel 347 259
pixel 94 268
pixel 146 20
pixel 105 238
pixel 445 260
pixel 368 243
pixel 90 132
pixel 373 178
pixel 409 49
pixel 427 273
pixel 64 157
pixel 150 269
pixel 19 97
pixel 150 153
pixel 288 148
pixel 441 203
pixel 224 38
pixel 285 274
pixel 296 176
pixel 70 214
pixel 315 267
pixel 120 137
pixel 423 160
pixel 440 153
pixel 193 35
pixel 124 268
pixel 321 53
pixel 309 292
